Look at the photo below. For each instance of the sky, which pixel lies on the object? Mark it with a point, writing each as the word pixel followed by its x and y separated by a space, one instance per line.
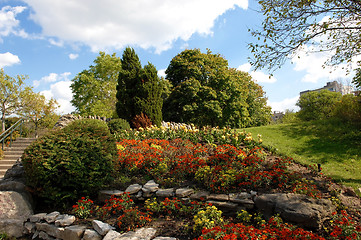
pixel 52 41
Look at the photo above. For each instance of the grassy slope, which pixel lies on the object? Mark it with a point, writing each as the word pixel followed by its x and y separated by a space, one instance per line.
pixel 335 145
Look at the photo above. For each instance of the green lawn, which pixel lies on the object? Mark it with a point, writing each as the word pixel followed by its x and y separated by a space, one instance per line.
pixel 337 146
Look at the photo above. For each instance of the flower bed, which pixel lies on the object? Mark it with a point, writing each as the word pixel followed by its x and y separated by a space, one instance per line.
pixel 221 161
pixel 218 168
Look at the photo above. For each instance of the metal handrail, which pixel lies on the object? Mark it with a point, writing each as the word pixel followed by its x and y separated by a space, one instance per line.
pixel 9 132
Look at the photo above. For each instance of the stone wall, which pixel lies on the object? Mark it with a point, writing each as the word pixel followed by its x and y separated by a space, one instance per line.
pixel 17 219
pixel 68 118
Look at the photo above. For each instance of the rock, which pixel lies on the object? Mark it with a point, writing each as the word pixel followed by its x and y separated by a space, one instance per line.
pixel 234 197
pixel 29 228
pixel 218 197
pixel 151 186
pixel 127 236
pixel 112 235
pixel 184 192
pixel 37 217
pixel 106 194
pixel 139 234
pixel 12 227
pixel 51 217
pixel 147 193
pixel 139 195
pixel 36 234
pixel 45 236
pixel 14 205
pixel 296 208
pixel 247 203
pixel 253 194
pixel 50 229
pixel 74 232
pixel 169 192
pixel 101 228
pixel 12 186
pixel 90 234
pixel 64 220
pixel 348 191
pixel 224 205
pixel 16 171
pixel 164 238
pixel 145 233
pixel 134 188
pixel 201 195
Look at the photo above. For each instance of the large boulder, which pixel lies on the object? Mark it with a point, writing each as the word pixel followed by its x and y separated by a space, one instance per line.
pixel 14 211
pixel 296 208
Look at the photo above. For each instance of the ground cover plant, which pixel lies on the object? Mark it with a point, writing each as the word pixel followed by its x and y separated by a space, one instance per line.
pixel 219 160
pixel 333 144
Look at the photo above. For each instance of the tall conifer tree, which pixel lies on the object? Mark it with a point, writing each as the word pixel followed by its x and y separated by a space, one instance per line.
pixel 139 90
pixel 128 87
pixel 151 102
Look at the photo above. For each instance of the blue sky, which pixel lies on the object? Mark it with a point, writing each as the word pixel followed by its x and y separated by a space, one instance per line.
pixel 52 41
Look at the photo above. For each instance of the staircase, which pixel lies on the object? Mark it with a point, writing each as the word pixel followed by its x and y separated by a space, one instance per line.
pixel 13 153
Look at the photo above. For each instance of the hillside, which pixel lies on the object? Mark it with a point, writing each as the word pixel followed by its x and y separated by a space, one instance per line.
pixel 335 145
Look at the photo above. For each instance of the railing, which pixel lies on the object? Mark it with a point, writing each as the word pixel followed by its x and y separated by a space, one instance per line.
pixel 10 131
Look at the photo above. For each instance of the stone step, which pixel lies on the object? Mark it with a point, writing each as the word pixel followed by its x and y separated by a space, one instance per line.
pixel 3 161
pixel 11 157
pixel 13 153
pixel 2 173
pixel 6 166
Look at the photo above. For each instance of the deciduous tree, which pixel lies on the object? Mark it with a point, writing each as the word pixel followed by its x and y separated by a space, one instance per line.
pixel 38 109
pixel 207 92
pixel 11 91
pixel 332 26
pixel 317 105
pixel 94 89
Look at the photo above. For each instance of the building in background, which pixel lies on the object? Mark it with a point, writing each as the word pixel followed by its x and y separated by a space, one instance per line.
pixel 333 87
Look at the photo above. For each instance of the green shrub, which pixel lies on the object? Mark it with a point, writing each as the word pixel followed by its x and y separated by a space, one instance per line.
pixel 349 109
pixel 115 125
pixel 69 163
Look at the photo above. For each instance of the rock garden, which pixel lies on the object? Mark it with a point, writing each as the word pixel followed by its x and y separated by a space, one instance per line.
pixel 90 180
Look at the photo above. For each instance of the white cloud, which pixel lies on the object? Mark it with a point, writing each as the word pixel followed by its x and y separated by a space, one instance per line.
pixel 8 59
pixel 52 77
pixel 258 76
pixel 73 56
pixel 313 63
pixel 311 59
pixel 62 93
pixel 59 90
pixel 113 24
pixel 161 73
pixel 8 23
pixel 58 43
pixel 282 106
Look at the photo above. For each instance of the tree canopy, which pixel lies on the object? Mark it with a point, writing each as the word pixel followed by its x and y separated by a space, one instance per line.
pixel 329 25
pixel 317 105
pixel 38 109
pixel 207 92
pixel 94 89
pixel 11 92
